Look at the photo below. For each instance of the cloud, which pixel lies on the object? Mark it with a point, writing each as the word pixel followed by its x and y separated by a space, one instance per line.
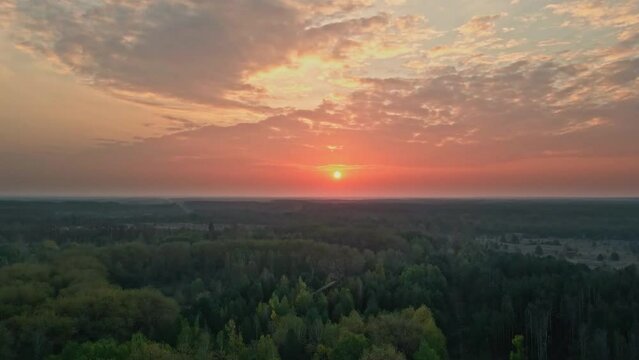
pixel 600 13
pixel 581 125
pixel 513 112
pixel 7 10
pixel 181 124
pixel 552 42
pixel 313 8
pixel 194 51
pixel 622 72
pixel 479 26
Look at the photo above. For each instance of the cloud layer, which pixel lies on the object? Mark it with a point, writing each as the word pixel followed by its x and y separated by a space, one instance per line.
pixel 524 100
pixel 196 51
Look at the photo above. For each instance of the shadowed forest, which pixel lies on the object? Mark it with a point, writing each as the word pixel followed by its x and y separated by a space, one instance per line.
pixel 306 279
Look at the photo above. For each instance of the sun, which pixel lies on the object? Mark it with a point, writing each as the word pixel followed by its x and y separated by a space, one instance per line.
pixel 337 175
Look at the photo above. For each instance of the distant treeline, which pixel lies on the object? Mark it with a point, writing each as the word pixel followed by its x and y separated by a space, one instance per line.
pixel 73 221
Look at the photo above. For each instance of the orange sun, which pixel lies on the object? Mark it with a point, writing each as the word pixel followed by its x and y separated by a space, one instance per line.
pixel 337 175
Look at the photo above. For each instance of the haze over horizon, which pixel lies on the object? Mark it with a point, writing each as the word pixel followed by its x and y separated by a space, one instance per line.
pixel 322 98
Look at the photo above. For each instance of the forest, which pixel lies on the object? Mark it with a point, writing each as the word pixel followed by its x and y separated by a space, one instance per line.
pixel 307 279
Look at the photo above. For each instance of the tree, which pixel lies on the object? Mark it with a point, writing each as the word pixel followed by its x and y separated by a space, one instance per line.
pixel 406 330
pixel 614 256
pixel 518 352
pixel 6 343
pixel 350 346
pixel 425 352
pixel 104 349
pixel 353 323
pixel 230 342
pixel 193 341
pixel 539 250
pixel 292 348
pixel 383 352
pixel 144 349
pixel 265 349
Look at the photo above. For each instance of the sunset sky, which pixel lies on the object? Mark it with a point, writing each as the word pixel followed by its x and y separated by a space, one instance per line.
pixel 272 97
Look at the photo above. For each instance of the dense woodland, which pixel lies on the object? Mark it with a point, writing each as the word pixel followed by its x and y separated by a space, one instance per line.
pixel 310 280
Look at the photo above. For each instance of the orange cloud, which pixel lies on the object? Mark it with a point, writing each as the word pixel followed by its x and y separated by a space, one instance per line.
pixel 479 26
pixel 197 52
pixel 600 13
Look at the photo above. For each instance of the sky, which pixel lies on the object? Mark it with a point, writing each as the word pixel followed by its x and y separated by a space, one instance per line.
pixel 404 98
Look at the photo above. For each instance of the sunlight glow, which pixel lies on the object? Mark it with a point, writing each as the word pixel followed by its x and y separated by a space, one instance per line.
pixel 337 175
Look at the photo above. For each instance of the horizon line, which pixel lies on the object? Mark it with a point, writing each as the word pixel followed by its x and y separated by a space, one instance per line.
pixel 59 197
